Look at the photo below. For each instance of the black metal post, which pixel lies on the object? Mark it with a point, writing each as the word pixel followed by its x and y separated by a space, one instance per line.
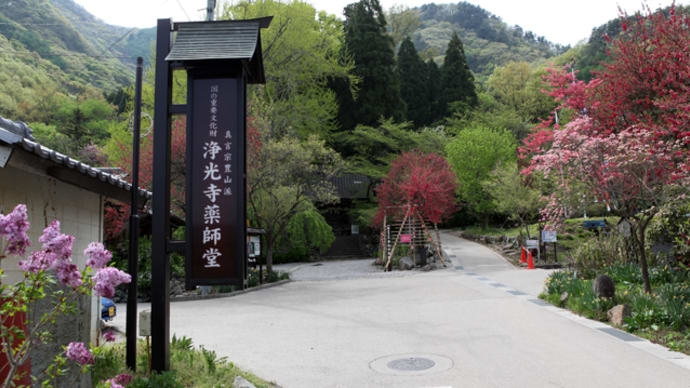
pixel 134 229
pixel 160 267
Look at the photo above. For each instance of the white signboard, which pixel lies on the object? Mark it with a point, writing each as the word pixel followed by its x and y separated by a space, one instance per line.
pixel 548 236
pixel 254 248
pixel 532 244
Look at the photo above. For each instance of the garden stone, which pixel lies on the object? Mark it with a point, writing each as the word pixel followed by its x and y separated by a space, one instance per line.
pixel 241 382
pixel 406 263
pixel 428 267
pixel 603 287
pixel 618 313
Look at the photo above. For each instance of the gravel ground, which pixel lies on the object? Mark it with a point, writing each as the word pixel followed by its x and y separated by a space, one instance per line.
pixel 342 269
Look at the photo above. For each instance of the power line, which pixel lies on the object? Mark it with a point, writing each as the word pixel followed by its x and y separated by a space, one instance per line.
pixel 183 10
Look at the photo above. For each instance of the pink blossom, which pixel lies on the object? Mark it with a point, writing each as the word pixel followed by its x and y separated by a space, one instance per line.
pixel 123 379
pixel 109 336
pixel 106 279
pixel 79 353
pixel 14 226
pixel 114 384
pixel 55 242
pixel 68 273
pixel 97 255
pixel 37 261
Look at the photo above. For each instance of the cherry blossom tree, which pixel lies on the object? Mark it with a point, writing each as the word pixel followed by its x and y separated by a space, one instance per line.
pixel 629 140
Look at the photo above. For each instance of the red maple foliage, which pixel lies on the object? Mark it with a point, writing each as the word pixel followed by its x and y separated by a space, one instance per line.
pixel 425 181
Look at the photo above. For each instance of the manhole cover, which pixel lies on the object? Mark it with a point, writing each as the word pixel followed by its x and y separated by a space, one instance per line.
pixel 411 364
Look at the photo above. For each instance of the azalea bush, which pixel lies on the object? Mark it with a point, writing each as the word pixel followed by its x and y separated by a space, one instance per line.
pixel 48 274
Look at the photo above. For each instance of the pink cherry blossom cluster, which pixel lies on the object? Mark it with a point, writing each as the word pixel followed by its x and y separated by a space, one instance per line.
pixel 79 353
pixel 14 226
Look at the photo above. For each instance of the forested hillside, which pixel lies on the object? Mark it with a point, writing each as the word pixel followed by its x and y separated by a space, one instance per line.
pixel 488 41
pixel 55 47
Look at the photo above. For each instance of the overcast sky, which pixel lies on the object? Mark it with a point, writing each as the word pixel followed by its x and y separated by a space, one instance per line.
pixel 560 21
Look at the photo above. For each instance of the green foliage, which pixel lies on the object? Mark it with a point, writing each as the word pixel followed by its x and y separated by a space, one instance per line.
pixel 305 231
pixel 473 154
pixel 370 150
pixel 301 52
pixel 662 317
pixel 289 175
pixel 189 367
pixel 518 85
pixel 511 196
pixel 456 78
pixel 414 90
pixel 372 51
pixel 598 252
pixel 671 226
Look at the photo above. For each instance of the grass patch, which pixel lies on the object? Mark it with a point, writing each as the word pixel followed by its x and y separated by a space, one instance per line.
pixel 662 316
pixel 189 367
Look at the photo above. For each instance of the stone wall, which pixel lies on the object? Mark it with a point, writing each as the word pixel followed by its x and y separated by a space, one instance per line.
pixel 81 215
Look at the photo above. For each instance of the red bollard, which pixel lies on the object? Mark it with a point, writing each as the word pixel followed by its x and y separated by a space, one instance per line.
pixel 523 257
pixel 530 262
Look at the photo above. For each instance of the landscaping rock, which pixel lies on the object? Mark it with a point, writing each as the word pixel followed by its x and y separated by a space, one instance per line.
pixel 618 313
pixel 564 297
pixel 428 267
pixel 406 263
pixel 603 287
pixel 241 382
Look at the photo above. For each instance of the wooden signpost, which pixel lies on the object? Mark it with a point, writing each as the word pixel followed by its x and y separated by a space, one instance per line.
pixel 220 58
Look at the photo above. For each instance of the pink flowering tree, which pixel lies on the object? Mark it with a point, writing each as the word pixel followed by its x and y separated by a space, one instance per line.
pixel 629 141
pixel 49 274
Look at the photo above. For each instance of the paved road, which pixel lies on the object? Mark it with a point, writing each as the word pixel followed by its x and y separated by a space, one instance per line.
pixel 474 324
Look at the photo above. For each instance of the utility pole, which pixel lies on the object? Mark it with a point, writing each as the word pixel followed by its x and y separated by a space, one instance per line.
pixel 210 9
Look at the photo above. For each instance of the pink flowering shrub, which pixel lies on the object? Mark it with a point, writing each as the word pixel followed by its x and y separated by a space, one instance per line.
pixel 79 353
pixel 120 381
pixel 109 336
pixel 41 267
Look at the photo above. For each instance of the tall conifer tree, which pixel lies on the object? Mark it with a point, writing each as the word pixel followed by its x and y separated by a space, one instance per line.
pixel 371 49
pixel 413 88
pixel 433 92
pixel 456 78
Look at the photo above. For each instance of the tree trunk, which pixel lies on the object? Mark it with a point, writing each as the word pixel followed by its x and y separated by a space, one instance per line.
pixel 642 226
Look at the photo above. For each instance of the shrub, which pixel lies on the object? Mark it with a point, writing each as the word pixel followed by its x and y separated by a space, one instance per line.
pixel 676 303
pixel 598 252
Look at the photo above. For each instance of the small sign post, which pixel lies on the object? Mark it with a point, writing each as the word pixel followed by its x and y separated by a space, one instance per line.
pixel 550 236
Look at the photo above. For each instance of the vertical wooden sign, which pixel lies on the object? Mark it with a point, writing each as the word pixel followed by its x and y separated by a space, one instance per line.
pixel 216 163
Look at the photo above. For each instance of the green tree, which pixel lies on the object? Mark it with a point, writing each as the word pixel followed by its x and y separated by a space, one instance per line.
pixel 432 77
pixel 512 196
pixel 369 150
pixel 371 48
pixel 413 87
pixel 301 52
pixel 402 22
pixel 456 77
pixel 288 177
pixel 519 87
pixel 474 153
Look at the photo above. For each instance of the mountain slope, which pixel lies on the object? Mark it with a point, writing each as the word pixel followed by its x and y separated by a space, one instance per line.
pixel 488 41
pixel 55 46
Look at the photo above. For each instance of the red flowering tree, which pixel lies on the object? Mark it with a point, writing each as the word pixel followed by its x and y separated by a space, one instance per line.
pixel 629 141
pixel 422 180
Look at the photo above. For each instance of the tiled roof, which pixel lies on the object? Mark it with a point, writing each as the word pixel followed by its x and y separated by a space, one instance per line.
pixel 12 139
